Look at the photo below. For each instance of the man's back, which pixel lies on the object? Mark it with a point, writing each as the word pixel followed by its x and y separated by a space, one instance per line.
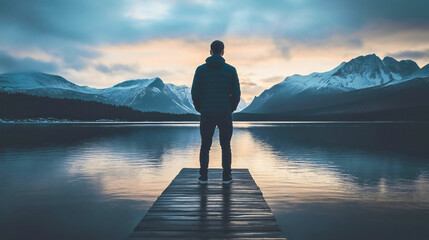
pixel 215 89
pixel 216 93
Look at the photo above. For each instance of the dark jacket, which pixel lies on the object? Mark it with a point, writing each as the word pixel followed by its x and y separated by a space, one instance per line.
pixel 215 89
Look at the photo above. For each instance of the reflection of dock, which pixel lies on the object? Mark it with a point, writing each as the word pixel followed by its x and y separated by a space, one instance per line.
pixel 189 210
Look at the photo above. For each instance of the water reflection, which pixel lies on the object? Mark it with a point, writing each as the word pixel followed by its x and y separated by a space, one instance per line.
pixel 203 206
pixel 351 164
pixel 330 180
pixel 131 165
pixel 226 207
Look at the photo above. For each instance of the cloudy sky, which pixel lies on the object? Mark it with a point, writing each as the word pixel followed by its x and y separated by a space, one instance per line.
pixel 101 43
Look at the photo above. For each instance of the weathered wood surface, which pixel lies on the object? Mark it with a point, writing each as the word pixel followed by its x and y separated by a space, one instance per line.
pixel 189 210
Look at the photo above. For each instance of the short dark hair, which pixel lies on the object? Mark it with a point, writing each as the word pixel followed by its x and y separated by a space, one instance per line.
pixel 217 47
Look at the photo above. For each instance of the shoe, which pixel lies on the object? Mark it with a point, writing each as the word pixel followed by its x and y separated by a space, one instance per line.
pixel 203 180
pixel 227 179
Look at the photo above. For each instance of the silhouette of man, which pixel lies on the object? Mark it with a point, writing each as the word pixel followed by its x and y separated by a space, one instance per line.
pixel 216 94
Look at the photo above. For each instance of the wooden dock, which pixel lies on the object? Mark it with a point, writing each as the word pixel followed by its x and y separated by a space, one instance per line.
pixel 189 210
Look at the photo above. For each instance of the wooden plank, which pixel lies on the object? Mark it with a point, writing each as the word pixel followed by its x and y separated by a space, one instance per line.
pixel 209 217
pixel 188 210
pixel 210 204
pixel 208 234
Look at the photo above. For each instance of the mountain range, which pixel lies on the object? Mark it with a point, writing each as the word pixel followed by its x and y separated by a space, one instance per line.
pixel 363 85
pixel 147 95
pixel 364 88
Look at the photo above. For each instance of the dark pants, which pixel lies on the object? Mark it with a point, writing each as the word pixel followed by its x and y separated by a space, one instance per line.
pixel 208 124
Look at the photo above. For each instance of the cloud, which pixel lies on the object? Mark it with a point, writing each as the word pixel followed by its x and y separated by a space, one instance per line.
pixel 157 73
pixel 11 64
pixel 248 84
pixel 273 79
pixel 76 57
pixel 115 68
pixel 411 54
pixel 249 89
pixel 110 21
pixel 64 29
pixel 269 37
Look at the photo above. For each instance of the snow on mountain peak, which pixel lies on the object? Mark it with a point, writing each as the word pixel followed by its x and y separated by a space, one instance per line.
pixel 135 83
pixel 34 80
pixel 157 83
pixel 142 94
pixel 361 65
pixel 358 73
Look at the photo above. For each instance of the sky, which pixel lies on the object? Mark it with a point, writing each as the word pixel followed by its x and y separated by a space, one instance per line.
pixel 102 43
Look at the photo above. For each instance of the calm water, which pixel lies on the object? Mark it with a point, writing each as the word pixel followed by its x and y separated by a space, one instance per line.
pixel 322 180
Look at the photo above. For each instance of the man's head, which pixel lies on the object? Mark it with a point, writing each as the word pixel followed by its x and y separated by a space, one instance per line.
pixel 217 47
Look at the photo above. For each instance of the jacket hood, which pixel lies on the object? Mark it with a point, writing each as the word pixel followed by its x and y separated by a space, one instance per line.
pixel 215 61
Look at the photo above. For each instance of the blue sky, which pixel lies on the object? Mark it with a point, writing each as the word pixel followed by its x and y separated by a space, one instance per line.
pixel 101 43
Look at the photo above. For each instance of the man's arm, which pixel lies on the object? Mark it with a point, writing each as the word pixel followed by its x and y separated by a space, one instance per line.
pixel 235 93
pixel 195 91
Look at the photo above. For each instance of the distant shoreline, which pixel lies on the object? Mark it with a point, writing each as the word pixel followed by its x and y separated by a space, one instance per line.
pixel 110 121
pixel 22 108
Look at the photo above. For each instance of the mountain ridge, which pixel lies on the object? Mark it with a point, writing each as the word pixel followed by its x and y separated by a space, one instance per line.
pixel 295 93
pixel 358 73
pixel 406 101
pixel 146 95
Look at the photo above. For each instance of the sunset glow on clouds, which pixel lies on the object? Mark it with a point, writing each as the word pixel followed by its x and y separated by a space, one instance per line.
pixel 101 43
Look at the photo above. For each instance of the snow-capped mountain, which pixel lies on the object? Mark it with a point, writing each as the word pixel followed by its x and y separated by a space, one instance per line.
pixel 359 73
pixel 41 84
pixel 141 94
pixel 26 81
pixel 151 95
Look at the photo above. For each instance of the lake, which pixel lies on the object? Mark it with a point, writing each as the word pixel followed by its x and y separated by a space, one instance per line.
pixel 322 180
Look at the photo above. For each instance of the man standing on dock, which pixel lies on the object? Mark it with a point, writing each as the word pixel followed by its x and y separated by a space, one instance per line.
pixel 216 94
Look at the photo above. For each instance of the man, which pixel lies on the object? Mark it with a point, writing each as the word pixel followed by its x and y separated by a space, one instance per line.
pixel 216 94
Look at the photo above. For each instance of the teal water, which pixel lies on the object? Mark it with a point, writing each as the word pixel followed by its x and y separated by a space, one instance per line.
pixel 322 180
